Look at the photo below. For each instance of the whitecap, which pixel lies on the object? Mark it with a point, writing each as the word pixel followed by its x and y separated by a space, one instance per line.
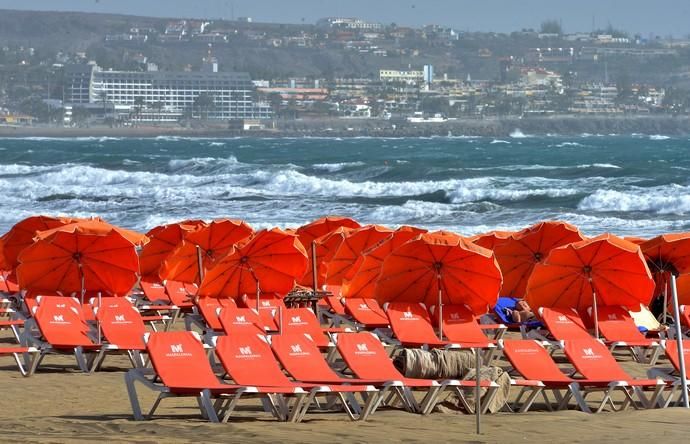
pixel 495 141
pixel 335 167
pixel 658 137
pixel 672 199
pixel 518 134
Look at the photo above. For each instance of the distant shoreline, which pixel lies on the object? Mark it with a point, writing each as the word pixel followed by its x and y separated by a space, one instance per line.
pixel 489 127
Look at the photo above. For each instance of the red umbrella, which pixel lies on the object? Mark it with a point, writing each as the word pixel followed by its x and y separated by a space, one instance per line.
pixel 163 240
pixel 518 254
pixel 202 249
pixel 363 283
pixel 342 265
pixel 268 262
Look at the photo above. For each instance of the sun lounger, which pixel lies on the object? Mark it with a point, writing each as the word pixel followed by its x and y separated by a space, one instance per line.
pixel 366 313
pixel 301 358
pixel 502 310
pixel 180 294
pixel 11 320
pixel 460 327
pixel 240 321
pixel 207 311
pixel 26 358
pixel 330 306
pixel 594 362
pixel 180 364
pixel 564 324
pixel 123 331
pixel 62 329
pixel 304 321
pixel 365 355
pixel 618 328
pixel 412 326
pixel 248 360
pixel 540 374
pixel 672 376
pixel 268 304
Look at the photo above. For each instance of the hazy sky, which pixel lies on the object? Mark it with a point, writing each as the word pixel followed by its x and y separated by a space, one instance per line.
pixel 662 17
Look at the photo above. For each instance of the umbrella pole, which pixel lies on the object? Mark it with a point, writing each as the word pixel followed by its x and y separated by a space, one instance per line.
pixel 315 305
pixel 596 315
pixel 477 391
pixel 82 284
pixel 440 309
pixel 663 317
pixel 679 341
pixel 98 321
pixel 200 264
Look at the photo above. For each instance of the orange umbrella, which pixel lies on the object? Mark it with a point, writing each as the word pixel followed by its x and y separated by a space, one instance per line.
pixel 635 239
pixel 683 289
pixel 605 269
pixel 97 226
pixel 325 247
pixel 163 240
pixel 491 239
pixel 319 227
pixel 202 249
pixel 518 254
pixel 268 262
pixel 22 234
pixel 79 258
pixel 363 283
pixel 668 257
pixel 437 270
pixel 343 264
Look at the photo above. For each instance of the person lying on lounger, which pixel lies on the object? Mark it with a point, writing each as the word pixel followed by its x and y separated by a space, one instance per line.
pixel 522 312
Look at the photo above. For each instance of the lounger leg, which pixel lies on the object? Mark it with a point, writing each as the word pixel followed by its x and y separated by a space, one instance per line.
pixel 574 388
pixel 207 405
pixel 536 391
pixel 155 405
pixel 369 406
pixel 488 397
pixel 133 399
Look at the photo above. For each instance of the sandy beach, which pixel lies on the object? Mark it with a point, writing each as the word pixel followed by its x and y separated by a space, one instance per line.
pixel 60 404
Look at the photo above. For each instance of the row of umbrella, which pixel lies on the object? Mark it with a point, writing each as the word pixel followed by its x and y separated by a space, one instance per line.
pixel 550 263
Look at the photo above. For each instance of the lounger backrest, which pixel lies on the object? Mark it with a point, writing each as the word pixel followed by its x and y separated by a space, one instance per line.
pixel 671 348
pixel 248 359
pixel 366 357
pixel 460 325
pixel 301 357
pixel 178 292
pixel 208 308
pixel 61 323
pixel 366 311
pixel 179 358
pixel 121 323
pixel 532 361
pixel 594 361
pixel 154 291
pixel 685 315
pixel 333 303
pixel 7 285
pixel 411 322
pixel 268 304
pixel 564 323
pixel 302 321
pixel 616 324
pixel 240 321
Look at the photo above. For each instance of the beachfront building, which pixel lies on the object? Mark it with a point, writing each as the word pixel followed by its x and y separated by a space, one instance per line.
pixel 166 96
pixel 394 75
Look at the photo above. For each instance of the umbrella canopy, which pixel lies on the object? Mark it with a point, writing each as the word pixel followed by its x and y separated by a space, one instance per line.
pixel 215 240
pixel 518 254
pixel 344 263
pixel 635 239
pixel 430 267
pixel 22 234
pixel 163 240
pixel 273 257
pixel 79 258
pixel 668 253
pixel 608 266
pixel 491 239
pixel 363 283
pixel 96 226
pixel 319 227
pixel 326 246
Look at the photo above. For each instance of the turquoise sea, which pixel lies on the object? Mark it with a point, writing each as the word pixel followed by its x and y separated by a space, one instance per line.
pixel 629 185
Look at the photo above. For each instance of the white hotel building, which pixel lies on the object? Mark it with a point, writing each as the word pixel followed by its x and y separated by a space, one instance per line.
pixel 167 96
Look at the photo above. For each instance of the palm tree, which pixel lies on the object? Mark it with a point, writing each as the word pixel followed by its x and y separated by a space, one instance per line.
pixel 138 106
pixel 204 103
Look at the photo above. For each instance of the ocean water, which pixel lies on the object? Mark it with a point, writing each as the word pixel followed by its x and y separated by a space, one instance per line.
pixel 628 185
